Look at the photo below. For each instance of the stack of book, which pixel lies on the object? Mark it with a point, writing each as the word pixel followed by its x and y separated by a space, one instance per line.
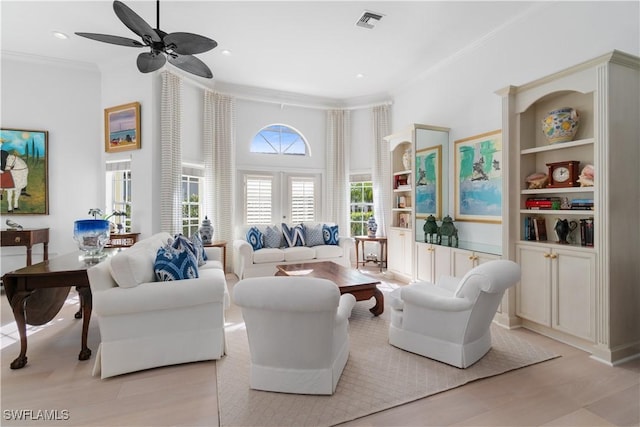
pixel 543 203
pixel 535 229
pixel 582 204
pixel 586 232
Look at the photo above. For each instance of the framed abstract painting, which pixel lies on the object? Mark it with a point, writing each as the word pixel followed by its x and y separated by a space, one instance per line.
pixel 25 170
pixel 428 182
pixel 478 178
pixel 122 128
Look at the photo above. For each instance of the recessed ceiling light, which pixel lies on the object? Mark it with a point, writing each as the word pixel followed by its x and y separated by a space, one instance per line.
pixel 226 52
pixel 60 35
pixel 359 76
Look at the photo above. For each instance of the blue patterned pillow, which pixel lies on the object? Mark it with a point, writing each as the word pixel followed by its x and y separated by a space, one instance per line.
pixel 293 236
pixel 272 237
pixel 314 235
pixel 330 234
pixel 254 237
pixel 175 264
pixel 198 246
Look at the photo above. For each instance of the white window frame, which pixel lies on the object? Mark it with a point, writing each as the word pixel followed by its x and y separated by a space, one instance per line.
pixel 258 199
pixel 118 184
pixel 276 146
pixel 360 179
pixel 191 224
pixel 303 198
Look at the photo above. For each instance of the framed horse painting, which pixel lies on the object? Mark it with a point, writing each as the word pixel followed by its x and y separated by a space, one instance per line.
pixel 24 172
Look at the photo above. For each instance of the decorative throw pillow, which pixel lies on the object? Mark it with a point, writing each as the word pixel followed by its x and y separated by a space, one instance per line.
pixel 175 264
pixel 293 236
pixel 254 237
pixel 314 235
pixel 182 242
pixel 330 234
pixel 272 237
pixel 198 246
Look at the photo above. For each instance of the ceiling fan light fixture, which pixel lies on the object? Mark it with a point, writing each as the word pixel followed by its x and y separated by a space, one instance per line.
pixel 59 35
pixel 179 47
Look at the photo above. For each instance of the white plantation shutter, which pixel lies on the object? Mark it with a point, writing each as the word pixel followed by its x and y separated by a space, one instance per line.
pixel 258 199
pixel 303 206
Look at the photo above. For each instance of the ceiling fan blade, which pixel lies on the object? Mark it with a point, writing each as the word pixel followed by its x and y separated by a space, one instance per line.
pixel 135 23
pixel 106 38
pixel 191 64
pixel 149 61
pixel 188 43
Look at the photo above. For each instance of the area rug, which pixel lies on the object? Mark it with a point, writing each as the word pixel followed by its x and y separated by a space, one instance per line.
pixel 377 376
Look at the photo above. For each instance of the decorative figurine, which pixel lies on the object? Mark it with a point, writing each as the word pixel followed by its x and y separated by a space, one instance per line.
pixel 586 176
pixel 430 228
pixel 448 230
pixel 562 228
pixel 206 231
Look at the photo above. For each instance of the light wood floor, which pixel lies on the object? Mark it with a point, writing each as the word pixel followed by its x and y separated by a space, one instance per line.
pixel 572 390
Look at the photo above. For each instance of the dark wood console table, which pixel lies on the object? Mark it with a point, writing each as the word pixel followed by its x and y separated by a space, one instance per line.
pixel 28 238
pixel 36 294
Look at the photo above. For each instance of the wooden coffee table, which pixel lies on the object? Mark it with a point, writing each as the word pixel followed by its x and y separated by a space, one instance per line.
pixel 349 281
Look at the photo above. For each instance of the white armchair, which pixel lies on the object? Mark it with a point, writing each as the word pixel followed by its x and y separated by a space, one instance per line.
pixel 450 321
pixel 298 332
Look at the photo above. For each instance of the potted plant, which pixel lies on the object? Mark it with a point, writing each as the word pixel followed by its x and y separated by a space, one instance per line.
pixel 93 234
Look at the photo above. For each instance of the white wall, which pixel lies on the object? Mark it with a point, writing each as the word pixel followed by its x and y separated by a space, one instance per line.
pixel 122 84
pixel 65 101
pixel 460 93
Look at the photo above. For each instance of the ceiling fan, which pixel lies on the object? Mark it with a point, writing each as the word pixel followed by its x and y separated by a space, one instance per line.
pixel 179 48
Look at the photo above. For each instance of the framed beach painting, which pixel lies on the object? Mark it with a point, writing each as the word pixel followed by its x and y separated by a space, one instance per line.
pixel 25 170
pixel 478 178
pixel 428 182
pixel 122 128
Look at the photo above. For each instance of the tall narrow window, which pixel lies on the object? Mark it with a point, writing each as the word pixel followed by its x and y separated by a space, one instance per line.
pixel 191 188
pixel 361 204
pixel 303 199
pixel 257 197
pixel 279 139
pixel 118 194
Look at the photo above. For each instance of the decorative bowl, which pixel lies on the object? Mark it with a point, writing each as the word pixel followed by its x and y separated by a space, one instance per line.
pixel 91 235
pixel 561 125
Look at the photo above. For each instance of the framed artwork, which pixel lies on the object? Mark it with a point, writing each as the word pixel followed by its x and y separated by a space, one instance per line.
pixel 478 178
pixel 122 128
pixel 428 182
pixel 25 170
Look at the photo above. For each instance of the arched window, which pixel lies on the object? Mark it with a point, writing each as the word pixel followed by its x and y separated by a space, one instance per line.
pixel 280 139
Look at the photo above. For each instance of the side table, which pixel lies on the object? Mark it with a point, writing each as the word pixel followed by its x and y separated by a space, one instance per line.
pixel 122 240
pixel 220 244
pixel 28 238
pixel 360 240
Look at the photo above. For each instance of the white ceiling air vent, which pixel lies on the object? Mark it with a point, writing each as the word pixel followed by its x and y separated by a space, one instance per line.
pixel 367 20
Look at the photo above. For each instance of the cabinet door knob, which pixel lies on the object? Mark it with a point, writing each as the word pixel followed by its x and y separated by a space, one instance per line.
pixel 546 255
pixel 554 256
pixel 471 257
pixel 17 239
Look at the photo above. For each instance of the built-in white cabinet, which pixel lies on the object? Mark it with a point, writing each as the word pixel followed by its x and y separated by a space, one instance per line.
pixel 584 291
pixel 400 252
pixel 557 288
pixel 463 260
pixel 432 261
pixel 418 187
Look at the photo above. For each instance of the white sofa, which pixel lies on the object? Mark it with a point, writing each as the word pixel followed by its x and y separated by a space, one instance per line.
pixel 262 262
pixel 298 331
pixel 144 323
